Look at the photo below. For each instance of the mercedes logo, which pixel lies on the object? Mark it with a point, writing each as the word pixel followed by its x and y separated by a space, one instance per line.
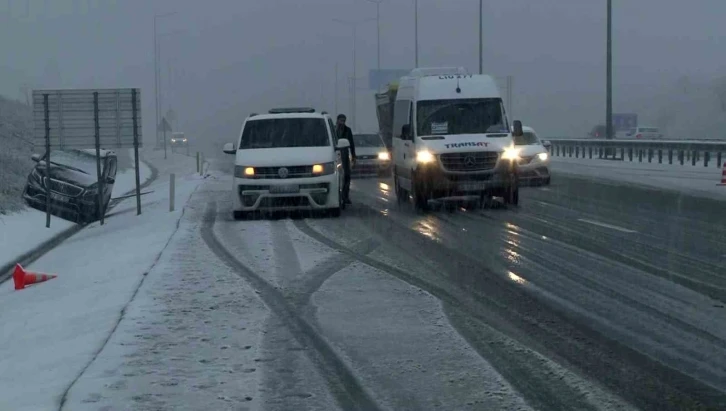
pixel 469 161
pixel 283 172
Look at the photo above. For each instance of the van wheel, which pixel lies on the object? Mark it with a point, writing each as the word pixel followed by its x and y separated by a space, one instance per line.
pixel 335 212
pixel 239 215
pixel 401 194
pixel 420 196
pixel 511 196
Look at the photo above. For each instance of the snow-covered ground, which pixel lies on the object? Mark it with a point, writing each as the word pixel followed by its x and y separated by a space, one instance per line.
pixel 51 331
pixel 694 180
pixel 25 230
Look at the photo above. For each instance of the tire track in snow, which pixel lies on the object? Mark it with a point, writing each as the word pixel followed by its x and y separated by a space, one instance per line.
pixel 341 382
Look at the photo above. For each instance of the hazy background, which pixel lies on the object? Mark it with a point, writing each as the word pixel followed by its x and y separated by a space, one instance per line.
pixel 223 59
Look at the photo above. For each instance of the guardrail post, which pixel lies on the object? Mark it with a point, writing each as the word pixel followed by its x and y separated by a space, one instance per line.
pixel 640 155
pixel 630 153
pixel 650 155
pixel 171 192
pixel 622 153
pixel 718 159
pixel 693 158
pixel 660 156
pixel 670 156
pixel 589 151
pixel 197 161
pixel 706 157
pixel 681 156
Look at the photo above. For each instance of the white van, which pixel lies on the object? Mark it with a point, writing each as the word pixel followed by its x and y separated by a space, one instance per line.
pixel 451 137
pixel 288 159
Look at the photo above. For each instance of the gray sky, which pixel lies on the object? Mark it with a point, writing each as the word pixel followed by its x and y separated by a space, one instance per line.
pixel 231 57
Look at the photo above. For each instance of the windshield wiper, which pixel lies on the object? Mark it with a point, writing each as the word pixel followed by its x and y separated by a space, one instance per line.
pixel 68 167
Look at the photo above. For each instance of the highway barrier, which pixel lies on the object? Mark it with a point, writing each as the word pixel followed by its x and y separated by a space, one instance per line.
pixel 705 153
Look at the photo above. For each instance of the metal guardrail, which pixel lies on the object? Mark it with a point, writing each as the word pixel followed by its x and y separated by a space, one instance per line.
pixel 682 152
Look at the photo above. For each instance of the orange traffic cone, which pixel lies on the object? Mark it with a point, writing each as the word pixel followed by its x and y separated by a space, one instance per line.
pixel 23 278
pixel 723 176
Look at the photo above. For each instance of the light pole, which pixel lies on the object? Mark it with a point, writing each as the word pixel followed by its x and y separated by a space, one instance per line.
pixel 481 36
pixel 609 81
pixel 378 28
pixel 354 24
pixel 415 30
pixel 157 77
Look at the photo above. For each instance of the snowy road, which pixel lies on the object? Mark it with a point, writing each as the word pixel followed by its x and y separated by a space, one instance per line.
pixel 586 297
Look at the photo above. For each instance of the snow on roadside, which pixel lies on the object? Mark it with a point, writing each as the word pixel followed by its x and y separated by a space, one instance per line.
pixel 188 340
pixel 694 180
pixel 52 330
pixel 25 230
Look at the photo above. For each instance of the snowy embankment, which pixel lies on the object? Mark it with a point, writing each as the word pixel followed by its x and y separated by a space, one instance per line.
pixel 52 330
pixel 25 230
pixel 694 180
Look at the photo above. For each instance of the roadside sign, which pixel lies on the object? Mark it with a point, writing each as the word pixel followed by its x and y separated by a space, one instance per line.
pixel 72 118
pixel 164 126
pixel 378 79
pixel 625 121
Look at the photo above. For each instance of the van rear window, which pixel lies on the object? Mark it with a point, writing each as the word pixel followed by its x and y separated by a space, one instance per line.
pixel 284 132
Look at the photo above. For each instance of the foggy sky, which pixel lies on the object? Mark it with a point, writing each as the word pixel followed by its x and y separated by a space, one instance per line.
pixel 226 58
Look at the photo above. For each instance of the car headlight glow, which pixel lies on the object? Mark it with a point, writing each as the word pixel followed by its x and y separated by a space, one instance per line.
pixel 543 156
pixel 383 155
pixel 173 140
pixel 511 153
pixel 184 140
pixel 324 169
pixel 424 156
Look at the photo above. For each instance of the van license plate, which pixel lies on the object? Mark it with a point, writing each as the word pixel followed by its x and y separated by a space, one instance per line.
pixel 472 187
pixel 285 189
pixel 58 197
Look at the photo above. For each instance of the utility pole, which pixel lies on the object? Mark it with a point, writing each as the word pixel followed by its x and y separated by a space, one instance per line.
pixel 378 28
pixel 354 24
pixel 336 89
pixel 157 77
pixel 609 81
pixel 415 29
pixel 481 36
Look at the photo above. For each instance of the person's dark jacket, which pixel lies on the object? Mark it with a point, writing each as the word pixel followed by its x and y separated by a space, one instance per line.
pixel 347 133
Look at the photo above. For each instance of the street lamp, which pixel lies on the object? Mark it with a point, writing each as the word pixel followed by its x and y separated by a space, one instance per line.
pixel 354 24
pixel 481 36
pixel 157 76
pixel 378 28
pixel 415 29
pixel 609 75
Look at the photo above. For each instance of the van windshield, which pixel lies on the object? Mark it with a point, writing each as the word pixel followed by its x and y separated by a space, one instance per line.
pixel 284 132
pixel 461 116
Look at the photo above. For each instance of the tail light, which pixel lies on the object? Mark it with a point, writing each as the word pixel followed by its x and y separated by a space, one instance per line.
pixel 639 136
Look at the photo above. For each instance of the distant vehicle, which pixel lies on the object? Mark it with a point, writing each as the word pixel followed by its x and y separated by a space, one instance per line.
pixel 645 133
pixel 372 156
pixel 73 183
pixel 287 160
pixel 178 139
pixel 450 136
pixel 599 131
pixel 533 166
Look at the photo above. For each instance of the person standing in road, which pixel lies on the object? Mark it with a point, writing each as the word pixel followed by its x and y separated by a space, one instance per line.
pixel 348 159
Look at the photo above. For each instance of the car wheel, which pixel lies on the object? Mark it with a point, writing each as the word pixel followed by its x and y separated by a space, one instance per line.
pixel 239 215
pixel 546 181
pixel 335 212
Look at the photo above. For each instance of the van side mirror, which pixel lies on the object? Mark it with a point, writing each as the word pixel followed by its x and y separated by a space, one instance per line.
pixel 342 143
pixel 406 131
pixel 229 148
pixel 546 143
pixel 517 129
pixel 35 157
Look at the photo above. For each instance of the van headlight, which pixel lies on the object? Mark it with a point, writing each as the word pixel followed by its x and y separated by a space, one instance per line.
pixel 543 156
pixel 511 153
pixel 424 157
pixel 323 169
pixel 244 172
pixel 383 155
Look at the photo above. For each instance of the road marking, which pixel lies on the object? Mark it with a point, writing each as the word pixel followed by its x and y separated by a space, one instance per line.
pixel 614 227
